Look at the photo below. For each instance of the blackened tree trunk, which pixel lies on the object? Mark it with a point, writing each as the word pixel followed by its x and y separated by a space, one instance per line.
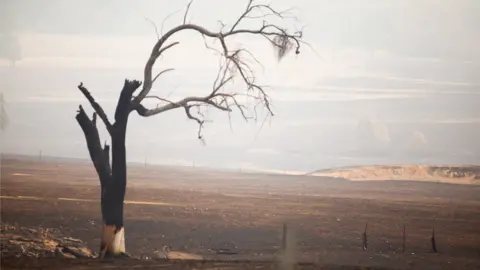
pixel 113 179
pixel 113 239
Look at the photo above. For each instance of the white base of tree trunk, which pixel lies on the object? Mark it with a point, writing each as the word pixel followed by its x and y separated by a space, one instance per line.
pixel 113 241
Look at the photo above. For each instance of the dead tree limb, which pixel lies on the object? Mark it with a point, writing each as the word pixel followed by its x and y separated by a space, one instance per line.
pixel 234 64
pixel 98 109
pixel 99 158
pixel 186 12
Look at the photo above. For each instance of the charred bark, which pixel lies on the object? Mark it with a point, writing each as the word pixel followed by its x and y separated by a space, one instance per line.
pixel 116 190
pixel 113 179
pixel 98 155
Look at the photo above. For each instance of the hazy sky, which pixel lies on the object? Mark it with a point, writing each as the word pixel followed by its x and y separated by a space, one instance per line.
pixel 398 74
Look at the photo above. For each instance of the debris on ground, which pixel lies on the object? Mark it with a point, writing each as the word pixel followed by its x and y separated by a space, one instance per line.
pixel 17 241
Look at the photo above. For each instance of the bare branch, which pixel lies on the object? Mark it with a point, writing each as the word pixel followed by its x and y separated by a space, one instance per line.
pixel 167 47
pixel 280 38
pixel 166 18
pixel 154 26
pixel 160 73
pixel 234 62
pixel 159 98
pixel 148 81
pixel 208 47
pixel 261 8
pixel 186 12
pixel 200 122
pixel 248 9
pixel 98 109
pixel 181 103
pixel 253 57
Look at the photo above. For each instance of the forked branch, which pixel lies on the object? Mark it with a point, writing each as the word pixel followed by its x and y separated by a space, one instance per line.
pixel 99 156
pixel 233 64
pixel 281 39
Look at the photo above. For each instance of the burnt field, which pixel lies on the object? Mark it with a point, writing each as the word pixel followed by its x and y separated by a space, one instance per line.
pixel 201 211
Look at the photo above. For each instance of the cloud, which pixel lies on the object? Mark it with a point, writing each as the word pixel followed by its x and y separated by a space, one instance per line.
pixel 423 28
pixel 458 121
pixel 338 96
pixel 263 151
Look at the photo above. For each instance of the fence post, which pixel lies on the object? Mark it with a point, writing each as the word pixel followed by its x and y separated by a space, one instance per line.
pixel 432 239
pixel 365 241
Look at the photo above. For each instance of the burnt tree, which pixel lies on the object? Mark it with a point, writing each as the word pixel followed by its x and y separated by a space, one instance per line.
pixel 113 176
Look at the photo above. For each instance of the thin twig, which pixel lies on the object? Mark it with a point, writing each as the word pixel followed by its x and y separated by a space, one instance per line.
pixel 186 12
pixel 154 26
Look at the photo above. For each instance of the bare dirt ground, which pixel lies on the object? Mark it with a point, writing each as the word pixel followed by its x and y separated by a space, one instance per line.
pixel 200 211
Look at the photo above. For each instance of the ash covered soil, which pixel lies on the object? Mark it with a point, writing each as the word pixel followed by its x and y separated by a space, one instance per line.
pixel 49 208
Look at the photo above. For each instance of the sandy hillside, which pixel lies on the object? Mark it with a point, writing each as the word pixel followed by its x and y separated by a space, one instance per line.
pixel 444 174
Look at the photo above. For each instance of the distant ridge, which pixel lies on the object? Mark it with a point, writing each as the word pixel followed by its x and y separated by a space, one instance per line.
pixel 457 174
